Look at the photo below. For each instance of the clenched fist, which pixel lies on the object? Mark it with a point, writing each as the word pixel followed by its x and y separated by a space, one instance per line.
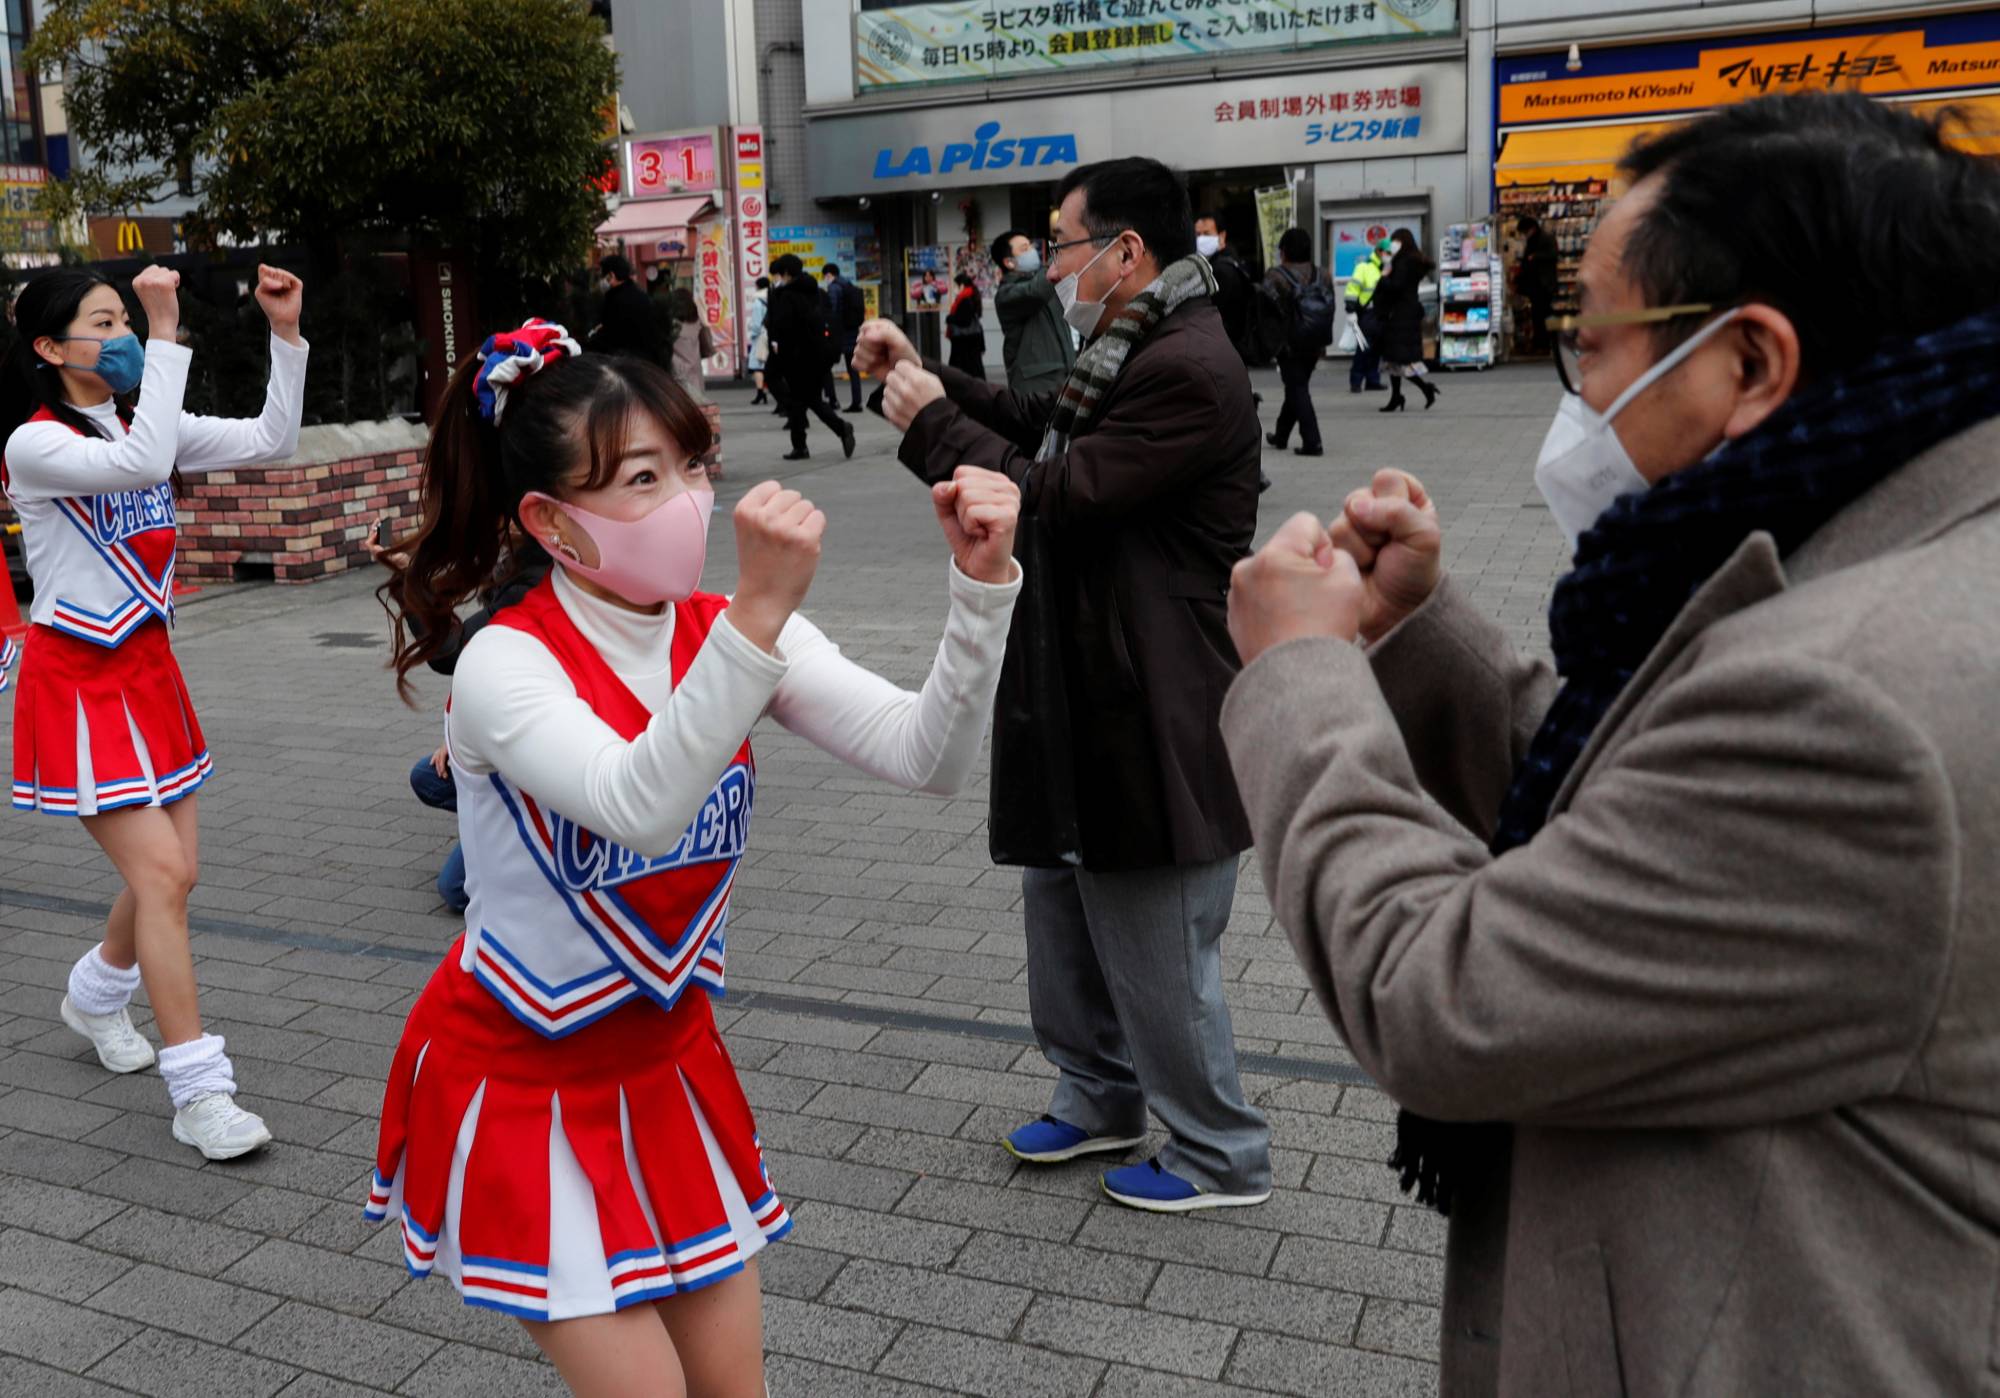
pixel 1296 586
pixel 881 346
pixel 778 534
pixel 911 389
pixel 281 295
pixel 1390 529
pixel 158 291
pixel 978 511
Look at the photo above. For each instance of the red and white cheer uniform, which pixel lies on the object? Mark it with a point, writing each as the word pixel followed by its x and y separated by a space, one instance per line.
pixel 563 1132
pixel 102 718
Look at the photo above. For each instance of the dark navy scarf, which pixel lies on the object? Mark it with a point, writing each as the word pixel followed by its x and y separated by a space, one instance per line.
pixel 1648 554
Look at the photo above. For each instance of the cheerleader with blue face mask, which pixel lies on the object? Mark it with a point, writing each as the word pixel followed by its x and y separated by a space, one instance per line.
pixel 563 1134
pixel 103 727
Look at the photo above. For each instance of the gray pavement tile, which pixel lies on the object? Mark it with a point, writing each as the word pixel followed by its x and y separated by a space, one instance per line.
pixel 831 1334
pixel 359 1097
pixel 185 1186
pixel 339 1227
pixel 926 1047
pixel 796 1270
pixel 24 1377
pixel 299 1124
pixel 270 1081
pixel 55 1210
pixel 53 1161
pixel 1417 1229
pixel 1176 1344
pixel 273 1212
pixel 432 1307
pixel 970 1364
pixel 1048 1217
pixel 1058 1268
pixel 341 1058
pixel 184 1303
pixel 55 1332
pixel 54 1268
pixel 148 1137
pixel 874 1108
pixel 330 1279
pixel 1255 1303
pixel 309 1172
pixel 802 1029
pixel 340 1023
pixel 48 1115
pixel 934 1298
pixel 884 1237
pixel 162 1365
pixel 1403 1276
pixel 809 1135
pixel 68 1077
pixel 1355 1179
pixel 142 1094
pixel 1286 1365
pixel 770 1092
pixel 363 1351
pixel 837 1181
pixel 864 1069
pixel 1179 1238
pixel 790 1377
pixel 463 1371
pixel 1122 1382
pixel 1315 1215
pixel 978 1161
pixel 1399 1327
pixel 1333 1135
pixel 320 1386
pixel 985 1087
pixel 183 1244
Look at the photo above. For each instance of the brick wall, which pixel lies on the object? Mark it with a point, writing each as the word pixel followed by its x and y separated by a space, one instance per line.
pixel 302 522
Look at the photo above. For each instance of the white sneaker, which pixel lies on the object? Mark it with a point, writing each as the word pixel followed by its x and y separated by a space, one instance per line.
pixel 214 1125
pixel 120 1047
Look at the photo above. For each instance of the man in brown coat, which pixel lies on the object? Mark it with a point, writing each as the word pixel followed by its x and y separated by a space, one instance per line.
pixel 1109 779
pixel 1692 999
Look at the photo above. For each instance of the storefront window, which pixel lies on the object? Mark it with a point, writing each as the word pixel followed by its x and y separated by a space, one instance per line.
pixel 902 45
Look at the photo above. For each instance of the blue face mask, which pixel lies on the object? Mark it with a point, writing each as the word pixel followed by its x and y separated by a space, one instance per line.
pixel 1028 261
pixel 121 361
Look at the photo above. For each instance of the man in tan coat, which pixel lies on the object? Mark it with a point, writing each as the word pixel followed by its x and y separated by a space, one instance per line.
pixel 1688 978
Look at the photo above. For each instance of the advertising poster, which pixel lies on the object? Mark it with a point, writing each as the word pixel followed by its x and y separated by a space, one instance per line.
pixel 1275 214
pixel 753 234
pixel 715 286
pixel 927 279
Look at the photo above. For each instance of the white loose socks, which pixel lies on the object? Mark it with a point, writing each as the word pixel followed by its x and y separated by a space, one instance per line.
pixel 195 1068
pixel 96 987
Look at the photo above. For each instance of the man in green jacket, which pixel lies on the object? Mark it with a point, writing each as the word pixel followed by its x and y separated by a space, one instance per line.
pixel 1365 369
pixel 1035 342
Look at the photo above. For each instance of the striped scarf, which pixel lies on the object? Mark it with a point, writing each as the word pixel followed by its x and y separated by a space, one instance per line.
pixel 1098 367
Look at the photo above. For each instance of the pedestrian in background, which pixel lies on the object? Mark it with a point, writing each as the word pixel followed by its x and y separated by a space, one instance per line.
pixel 1399 319
pixel 1290 283
pixel 1140 479
pixel 847 307
pixel 625 322
pixel 962 327
pixel 693 343
pixel 803 349
pixel 1035 342
pixel 1538 277
pixel 1681 959
pixel 1234 287
pixel 760 348
pixel 1364 370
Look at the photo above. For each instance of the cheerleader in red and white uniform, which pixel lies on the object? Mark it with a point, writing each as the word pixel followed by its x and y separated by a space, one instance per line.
pixel 103 727
pixel 563 1134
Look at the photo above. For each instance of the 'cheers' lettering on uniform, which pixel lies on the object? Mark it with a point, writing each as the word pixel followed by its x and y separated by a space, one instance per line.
pixel 720 830
pixel 119 516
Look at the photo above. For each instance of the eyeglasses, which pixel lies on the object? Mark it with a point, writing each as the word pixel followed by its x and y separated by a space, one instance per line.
pixel 1569 356
pixel 1055 248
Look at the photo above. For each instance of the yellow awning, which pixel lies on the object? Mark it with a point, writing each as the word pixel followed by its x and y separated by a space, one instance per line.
pixel 1573 154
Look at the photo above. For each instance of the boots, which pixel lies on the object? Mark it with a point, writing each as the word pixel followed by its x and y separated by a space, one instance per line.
pixel 1395 402
pixel 1430 393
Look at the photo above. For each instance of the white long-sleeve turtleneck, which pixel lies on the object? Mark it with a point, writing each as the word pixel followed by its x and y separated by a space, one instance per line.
pixel 515 711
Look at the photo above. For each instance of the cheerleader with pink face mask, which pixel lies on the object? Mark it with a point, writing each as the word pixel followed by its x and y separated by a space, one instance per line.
pixel 563 1134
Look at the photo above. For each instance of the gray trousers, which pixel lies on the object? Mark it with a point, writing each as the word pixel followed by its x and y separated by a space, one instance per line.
pixel 1125 989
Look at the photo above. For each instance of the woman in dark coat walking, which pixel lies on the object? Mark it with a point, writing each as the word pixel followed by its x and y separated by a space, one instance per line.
pixel 962 327
pixel 1399 319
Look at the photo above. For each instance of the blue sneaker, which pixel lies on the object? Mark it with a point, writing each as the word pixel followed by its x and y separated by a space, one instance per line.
pixel 1160 1191
pixel 1047 1141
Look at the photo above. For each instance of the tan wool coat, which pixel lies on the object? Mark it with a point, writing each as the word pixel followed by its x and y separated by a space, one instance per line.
pixel 1740 997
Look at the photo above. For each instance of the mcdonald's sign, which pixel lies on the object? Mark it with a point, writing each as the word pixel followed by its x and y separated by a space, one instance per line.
pixel 131 237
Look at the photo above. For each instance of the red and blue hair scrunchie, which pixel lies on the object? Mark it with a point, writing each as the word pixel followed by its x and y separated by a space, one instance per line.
pixel 511 356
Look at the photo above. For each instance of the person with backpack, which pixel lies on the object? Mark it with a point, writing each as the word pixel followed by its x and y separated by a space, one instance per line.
pixel 1307 296
pixel 1399 319
pixel 803 349
pixel 848 307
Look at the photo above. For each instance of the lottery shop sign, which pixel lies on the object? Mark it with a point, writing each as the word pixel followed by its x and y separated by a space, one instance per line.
pixel 1891 59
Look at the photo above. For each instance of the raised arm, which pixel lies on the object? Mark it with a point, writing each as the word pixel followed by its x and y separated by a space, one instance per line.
pixel 217 443
pixel 46 460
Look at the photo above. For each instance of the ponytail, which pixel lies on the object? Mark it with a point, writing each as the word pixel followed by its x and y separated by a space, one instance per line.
pixel 575 411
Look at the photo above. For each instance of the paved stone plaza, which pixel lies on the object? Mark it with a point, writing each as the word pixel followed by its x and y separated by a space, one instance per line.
pixel 877 1010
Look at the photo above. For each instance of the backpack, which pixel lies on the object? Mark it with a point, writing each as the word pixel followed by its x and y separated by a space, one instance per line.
pixel 1313 309
pixel 853 309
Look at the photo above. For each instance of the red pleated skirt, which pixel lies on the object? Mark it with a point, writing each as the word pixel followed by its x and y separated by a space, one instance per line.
pixel 553 1178
pixel 98 728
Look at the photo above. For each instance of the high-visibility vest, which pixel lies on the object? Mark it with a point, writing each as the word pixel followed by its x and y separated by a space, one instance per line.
pixel 1361 281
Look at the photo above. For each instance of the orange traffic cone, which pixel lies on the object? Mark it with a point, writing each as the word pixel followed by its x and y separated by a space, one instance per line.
pixel 11 624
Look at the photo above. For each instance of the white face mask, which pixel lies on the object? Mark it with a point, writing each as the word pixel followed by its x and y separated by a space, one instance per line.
pixel 1583 466
pixel 1027 260
pixel 1081 315
pixel 1207 244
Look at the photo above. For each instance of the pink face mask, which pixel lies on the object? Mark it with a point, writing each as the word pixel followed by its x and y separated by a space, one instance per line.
pixel 655 558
